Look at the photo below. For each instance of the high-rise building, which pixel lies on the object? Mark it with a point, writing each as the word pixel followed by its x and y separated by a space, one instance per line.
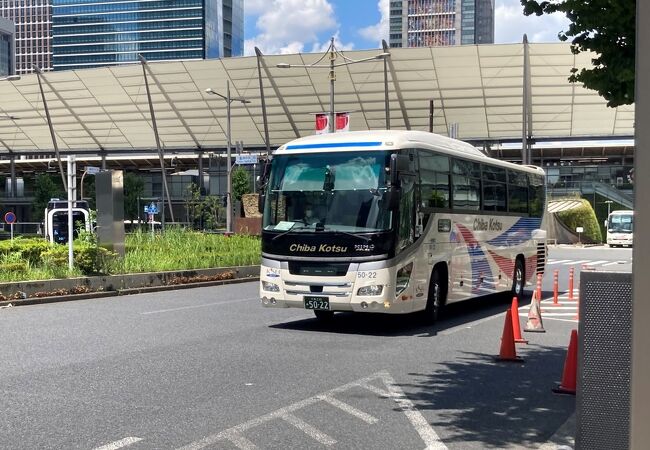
pixel 7 48
pixel 33 27
pixel 426 23
pixel 101 33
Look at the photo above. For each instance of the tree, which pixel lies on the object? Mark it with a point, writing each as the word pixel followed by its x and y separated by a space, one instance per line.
pixel 606 28
pixel 46 187
pixel 241 183
pixel 133 190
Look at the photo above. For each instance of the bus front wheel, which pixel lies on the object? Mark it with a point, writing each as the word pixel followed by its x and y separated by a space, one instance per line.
pixel 436 298
pixel 519 279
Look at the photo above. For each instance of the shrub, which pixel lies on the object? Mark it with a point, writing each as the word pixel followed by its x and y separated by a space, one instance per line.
pixel 89 259
pixel 585 217
pixel 30 250
pixel 14 267
pixel 92 259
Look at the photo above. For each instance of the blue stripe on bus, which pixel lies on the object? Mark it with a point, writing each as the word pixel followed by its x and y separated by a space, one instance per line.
pixel 519 233
pixel 333 145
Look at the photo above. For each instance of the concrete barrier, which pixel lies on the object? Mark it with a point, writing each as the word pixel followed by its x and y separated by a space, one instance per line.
pixel 110 283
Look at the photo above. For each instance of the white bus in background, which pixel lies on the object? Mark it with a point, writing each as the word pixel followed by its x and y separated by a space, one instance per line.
pixel 620 228
pixel 396 222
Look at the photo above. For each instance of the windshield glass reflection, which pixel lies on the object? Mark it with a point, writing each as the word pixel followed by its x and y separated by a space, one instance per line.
pixel 328 192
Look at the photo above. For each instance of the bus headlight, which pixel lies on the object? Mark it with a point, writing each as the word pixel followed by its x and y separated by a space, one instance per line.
pixel 370 290
pixel 270 287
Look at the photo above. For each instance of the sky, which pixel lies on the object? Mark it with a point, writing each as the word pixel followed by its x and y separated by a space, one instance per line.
pixel 292 26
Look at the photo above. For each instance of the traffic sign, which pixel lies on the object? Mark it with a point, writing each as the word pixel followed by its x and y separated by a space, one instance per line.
pixel 92 170
pixel 151 208
pixel 246 159
pixel 10 217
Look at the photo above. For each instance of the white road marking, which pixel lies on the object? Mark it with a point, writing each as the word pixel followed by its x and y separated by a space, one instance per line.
pixel 180 308
pixel 119 444
pixel 423 428
pixel 613 263
pixel 549 308
pixel 350 409
pixel 558 261
pixel 572 314
pixel 582 261
pixel 595 263
pixel 309 430
pixel 416 418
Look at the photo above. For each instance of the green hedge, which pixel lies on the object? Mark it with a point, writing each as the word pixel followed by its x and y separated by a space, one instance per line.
pixel 585 217
pixel 29 250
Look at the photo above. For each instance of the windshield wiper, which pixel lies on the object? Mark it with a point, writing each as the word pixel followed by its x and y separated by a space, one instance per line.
pixel 289 230
pixel 332 230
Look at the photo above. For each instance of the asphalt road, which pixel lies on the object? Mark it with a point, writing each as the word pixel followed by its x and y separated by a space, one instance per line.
pixel 211 368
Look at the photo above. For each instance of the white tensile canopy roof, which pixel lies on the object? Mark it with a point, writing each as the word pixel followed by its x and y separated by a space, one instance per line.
pixel 480 88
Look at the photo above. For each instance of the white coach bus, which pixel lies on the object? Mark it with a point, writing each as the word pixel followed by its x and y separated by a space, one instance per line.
pixel 620 228
pixel 396 222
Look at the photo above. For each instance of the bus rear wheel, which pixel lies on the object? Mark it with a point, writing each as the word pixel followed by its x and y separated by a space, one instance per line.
pixel 324 316
pixel 519 279
pixel 436 298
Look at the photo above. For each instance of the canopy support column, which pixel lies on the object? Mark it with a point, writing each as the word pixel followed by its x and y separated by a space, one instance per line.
pixel 200 167
pixel 161 154
pixel 526 112
pixel 12 170
pixel 39 74
pixel 170 103
pixel 386 104
pixel 398 91
pixel 277 93
pixel 258 54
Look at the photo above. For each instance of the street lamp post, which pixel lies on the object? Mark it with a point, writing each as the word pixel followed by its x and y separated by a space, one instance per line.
pixel 228 100
pixel 609 206
pixel 333 54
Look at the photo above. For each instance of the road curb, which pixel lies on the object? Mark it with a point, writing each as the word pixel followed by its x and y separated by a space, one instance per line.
pixel 121 292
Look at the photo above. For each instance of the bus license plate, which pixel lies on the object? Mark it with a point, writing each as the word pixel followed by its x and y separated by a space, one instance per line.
pixel 314 302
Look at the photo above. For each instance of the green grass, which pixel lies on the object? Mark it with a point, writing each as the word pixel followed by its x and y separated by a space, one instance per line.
pixel 180 249
pixel 176 249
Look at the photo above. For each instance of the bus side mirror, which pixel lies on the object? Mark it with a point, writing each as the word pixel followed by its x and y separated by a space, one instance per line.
pixel 606 224
pixel 398 164
pixel 391 199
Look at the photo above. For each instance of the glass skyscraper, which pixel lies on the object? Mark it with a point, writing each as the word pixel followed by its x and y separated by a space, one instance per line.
pixel 433 23
pixel 7 48
pixel 93 33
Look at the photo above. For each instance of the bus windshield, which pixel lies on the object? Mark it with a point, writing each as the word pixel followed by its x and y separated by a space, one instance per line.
pixel 620 223
pixel 328 192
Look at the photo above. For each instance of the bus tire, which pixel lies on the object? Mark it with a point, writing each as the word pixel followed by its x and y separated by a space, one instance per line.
pixel 324 316
pixel 519 278
pixel 436 297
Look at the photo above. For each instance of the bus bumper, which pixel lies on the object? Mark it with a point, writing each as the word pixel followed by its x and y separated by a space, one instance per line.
pixel 359 290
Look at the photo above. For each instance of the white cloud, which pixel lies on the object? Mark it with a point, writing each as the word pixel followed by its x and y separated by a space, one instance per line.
pixel 287 26
pixel 510 24
pixel 255 7
pixel 378 31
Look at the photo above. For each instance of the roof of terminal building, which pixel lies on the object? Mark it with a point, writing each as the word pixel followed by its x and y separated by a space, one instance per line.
pixel 477 87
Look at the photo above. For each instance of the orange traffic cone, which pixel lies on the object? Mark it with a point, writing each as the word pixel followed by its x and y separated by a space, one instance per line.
pixel 508 351
pixel 516 327
pixel 570 372
pixel 534 324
